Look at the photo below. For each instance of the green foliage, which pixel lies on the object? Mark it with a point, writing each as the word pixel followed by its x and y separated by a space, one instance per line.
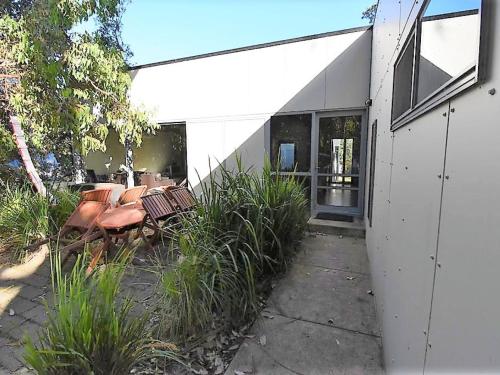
pixel 26 216
pixel 90 331
pixel 245 230
pixel 65 201
pixel 23 219
pixel 370 13
pixel 211 274
pixel 72 84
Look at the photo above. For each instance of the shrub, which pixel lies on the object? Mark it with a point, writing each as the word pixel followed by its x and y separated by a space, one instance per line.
pixel 245 230
pixel 89 330
pixel 23 219
pixel 26 216
pixel 211 274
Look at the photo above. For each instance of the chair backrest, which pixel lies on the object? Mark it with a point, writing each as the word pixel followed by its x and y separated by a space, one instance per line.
pixel 131 195
pixel 182 197
pixel 96 195
pixel 92 204
pixel 157 206
pixel 85 214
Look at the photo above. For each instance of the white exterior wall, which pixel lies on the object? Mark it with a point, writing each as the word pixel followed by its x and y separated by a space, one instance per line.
pixel 227 100
pixel 436 240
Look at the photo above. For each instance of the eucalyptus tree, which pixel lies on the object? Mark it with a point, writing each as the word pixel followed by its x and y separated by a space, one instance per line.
pixel 66 80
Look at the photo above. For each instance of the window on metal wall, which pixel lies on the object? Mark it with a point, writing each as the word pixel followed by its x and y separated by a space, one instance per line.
pixel 403 79
pixel 439 59
pixel 372 171
pixel 291 142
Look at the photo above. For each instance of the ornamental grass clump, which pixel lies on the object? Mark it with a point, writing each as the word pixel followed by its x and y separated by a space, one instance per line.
pixel 23 219
pixel 26 216
pixel 90 330
pixel 245 230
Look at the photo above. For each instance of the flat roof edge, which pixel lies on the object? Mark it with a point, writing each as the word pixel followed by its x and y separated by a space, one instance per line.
pixel 255 46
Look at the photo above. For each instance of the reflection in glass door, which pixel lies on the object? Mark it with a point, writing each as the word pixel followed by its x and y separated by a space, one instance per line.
pixel 339 164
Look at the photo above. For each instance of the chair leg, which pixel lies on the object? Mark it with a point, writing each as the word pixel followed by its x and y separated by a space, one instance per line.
pixel 97 254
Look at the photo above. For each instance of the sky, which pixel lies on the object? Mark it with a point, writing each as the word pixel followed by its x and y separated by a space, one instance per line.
pixel 159 30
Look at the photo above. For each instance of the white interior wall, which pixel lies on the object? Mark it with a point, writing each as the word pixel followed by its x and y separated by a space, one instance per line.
pixel 409 240
pixel 226 100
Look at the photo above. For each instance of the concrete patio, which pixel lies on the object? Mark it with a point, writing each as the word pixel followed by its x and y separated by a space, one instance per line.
pixel 320 318
pixel 23 290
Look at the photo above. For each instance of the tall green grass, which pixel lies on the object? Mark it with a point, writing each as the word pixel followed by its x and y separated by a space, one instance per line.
pixel 90 330
pixel 26 216
pixel 245 230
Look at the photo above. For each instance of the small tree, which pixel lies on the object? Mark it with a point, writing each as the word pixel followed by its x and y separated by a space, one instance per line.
pixel 71 83
pixel 370 13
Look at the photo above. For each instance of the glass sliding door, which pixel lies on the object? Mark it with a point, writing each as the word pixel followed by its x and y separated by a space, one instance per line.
pixel 326 151
pixel 339 155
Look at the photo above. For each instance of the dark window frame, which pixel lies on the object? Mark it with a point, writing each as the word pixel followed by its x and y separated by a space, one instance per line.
pixel 373 155
pixel 451 88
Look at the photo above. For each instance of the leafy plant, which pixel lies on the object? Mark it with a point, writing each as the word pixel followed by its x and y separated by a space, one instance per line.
pixel 23 219
pixel 26 216
pixel 90 331
pixel 211 273
pixel 245 230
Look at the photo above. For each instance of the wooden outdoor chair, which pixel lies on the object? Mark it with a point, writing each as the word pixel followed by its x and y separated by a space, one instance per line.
pixel 159 208
pixel 184 200
pixel 131 195
pixel 93 203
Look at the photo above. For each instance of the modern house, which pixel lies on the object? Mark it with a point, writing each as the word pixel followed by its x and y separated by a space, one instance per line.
pixel 395 124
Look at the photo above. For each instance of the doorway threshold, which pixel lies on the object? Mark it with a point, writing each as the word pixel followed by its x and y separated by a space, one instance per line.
pixel 356 228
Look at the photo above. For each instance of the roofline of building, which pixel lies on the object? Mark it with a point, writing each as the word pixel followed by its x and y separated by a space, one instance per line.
pixel 255 46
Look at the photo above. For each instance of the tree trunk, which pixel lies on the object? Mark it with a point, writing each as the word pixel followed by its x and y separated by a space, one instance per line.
pixel 79 172
pixel 129 163
pixel 33 175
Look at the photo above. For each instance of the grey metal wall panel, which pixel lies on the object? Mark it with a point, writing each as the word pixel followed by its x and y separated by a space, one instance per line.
pixel 465 329
pixel 413 226
pixel 351 72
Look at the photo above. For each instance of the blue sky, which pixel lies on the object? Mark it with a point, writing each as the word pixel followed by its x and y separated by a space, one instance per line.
pixel 166 29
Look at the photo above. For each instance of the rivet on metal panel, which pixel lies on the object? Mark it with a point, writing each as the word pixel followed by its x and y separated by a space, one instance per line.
pixel 425 332
pixel 492 91
pixel 430 345
pixel 403 219
pixel 439 265
pixel 432 257
pixel 399 268
pixel 444 114
pixel 396 316
pixel 452 110
pixel 447 177
pixel 439 176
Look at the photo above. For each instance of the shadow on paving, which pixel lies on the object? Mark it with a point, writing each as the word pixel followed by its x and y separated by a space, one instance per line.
pixel 25 287
pixel 320 318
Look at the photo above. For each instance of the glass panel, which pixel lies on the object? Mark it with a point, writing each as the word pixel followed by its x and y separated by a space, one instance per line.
pixel 163 152
pixel 291 142
pixel 339 146
pixel 341 198
pixel 287 153
pixel 403 75
pixel 449 43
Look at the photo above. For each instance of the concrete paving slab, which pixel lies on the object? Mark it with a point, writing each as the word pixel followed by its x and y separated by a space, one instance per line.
pixel 298 347
pixel 326 296
pixel 319 318
pixel 345 253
